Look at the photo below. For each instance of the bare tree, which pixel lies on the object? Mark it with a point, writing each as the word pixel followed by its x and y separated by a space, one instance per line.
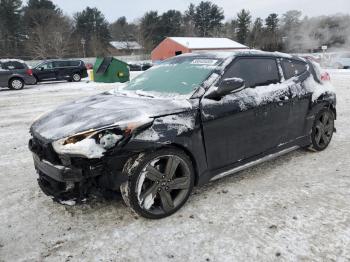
pixel 52 39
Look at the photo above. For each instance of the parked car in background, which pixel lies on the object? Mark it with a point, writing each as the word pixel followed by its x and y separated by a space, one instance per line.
pixel 191 119
pixel 139 66
pixel 58 70
pixel 341 61
pixel 14 74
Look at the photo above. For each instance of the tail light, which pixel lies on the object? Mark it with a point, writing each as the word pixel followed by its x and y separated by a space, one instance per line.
pixel 325 77
pixel 29 72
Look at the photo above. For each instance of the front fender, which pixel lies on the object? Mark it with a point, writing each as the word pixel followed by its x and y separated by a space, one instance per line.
pixel 181 130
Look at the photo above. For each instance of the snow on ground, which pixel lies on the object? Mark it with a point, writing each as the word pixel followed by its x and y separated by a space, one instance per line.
pixel 294 208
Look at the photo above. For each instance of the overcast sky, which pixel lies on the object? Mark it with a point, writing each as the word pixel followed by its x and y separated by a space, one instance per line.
pixel 134 9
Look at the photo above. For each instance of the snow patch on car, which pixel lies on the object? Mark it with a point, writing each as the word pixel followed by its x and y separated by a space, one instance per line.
pixel 274 93
pixel 148 135
pixel 318 89
pixel 181 123
pixel 87 147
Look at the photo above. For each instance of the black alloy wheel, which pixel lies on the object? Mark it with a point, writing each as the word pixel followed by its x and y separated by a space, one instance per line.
pixel 160 183
pixel 322 131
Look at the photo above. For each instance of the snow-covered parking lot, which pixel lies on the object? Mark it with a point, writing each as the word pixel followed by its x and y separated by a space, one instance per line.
pixel 295 208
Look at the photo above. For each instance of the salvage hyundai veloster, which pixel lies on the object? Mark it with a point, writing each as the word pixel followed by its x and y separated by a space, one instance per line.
pixel 192 119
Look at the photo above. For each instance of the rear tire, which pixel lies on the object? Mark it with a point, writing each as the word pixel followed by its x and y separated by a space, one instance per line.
pixel 16 84
pixel 159 183
pixel 322 130
pixel 76 77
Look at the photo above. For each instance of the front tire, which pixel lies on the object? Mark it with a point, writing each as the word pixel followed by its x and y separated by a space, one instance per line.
pixel 159 183
pixel 36 80
pixel 16 84
pixel 322 130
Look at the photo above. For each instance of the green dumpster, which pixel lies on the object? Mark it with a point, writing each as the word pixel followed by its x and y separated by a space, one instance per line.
pixel 110 70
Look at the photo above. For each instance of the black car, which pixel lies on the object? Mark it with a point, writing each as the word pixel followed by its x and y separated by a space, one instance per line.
pixel 139 66
pixel 58 70
pixel 190 120
pixel 15 73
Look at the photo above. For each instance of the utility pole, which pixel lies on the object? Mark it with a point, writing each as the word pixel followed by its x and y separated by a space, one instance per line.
pixel 83 42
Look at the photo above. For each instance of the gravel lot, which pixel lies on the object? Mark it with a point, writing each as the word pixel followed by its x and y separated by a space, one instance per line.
pixel 295 208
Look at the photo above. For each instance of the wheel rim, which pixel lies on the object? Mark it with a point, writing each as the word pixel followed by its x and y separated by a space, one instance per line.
pixel 324 129
pixel 16 84
pixel 163 184
pixel 76 77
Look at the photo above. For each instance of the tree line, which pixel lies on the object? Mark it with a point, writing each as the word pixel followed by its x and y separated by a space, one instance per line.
pixel 40 29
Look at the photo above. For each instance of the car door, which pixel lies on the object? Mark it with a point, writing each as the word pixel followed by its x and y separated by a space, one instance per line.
pixel 300 101
pixel 46 72
pixel 248 122
pixel 4 75
pixel 60 69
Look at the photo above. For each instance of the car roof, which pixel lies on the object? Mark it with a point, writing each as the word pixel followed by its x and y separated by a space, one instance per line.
pixel 58 60
pixel 247 52
pixel 11 60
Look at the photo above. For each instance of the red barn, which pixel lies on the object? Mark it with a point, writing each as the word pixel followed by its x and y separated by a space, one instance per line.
pixel 172 46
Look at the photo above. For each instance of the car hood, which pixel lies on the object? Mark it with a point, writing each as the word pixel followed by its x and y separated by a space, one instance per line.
pixel 103 110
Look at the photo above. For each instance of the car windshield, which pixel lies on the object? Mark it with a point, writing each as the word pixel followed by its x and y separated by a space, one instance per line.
pixel 177 76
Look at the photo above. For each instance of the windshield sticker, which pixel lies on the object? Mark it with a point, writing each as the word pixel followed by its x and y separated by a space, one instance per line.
pixel 204 62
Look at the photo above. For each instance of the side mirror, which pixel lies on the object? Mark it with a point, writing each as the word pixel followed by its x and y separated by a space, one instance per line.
pixel 227 86
pixel 41 68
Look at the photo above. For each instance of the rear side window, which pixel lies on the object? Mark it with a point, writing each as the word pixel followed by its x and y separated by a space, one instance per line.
pixel 74 63
pixel 255 71
pixel 61 63
pixel 293 68
pixel 13 65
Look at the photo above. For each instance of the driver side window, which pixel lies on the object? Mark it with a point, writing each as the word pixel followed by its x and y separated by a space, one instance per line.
pixel 254 71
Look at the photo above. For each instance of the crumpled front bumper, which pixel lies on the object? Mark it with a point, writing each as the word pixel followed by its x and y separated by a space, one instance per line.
pixel 64 177
pixel 57 172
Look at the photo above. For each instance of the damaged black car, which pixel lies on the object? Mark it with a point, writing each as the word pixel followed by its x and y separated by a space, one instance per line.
pixel 192 119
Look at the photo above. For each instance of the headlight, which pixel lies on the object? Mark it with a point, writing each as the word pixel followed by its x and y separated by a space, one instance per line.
pixel 90 144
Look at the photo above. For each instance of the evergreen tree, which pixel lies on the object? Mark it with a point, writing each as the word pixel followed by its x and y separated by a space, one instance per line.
pixel 149 27
pixel 256 34
pixel 189 21
pixel 121 30
pixel 291 22
pixel 243 23
pixel 271 23
pixel 38 12
pixel 91 25
pixel 272 41
pixel 42 4
pixel 170 23
pixel 10 27
pixel 208 18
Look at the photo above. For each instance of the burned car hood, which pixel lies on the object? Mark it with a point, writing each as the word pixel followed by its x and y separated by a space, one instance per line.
pixel 100 111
